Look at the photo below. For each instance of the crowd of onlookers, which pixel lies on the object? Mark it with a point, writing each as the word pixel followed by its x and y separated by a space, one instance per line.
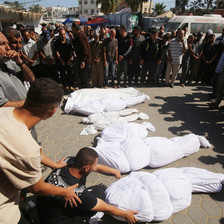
pixel 84 57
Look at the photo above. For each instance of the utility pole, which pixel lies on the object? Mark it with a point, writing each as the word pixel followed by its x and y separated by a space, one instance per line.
pixel 140 14
pixel 150 8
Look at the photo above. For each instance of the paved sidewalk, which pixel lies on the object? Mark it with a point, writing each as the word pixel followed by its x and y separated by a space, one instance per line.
pixel 173 112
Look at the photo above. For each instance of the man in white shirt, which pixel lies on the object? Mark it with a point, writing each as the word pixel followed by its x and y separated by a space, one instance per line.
pixel 177 47
pixel 30 53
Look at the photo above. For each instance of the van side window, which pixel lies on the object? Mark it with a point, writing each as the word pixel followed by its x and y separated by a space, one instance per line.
pixel 184 25
pixel 203 27
pixel 218 28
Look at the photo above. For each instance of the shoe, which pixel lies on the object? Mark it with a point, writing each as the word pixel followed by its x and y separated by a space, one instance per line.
pixel 115 87
pixel 66 89
pixel 171 85
pixel 182 85
pixel 105 87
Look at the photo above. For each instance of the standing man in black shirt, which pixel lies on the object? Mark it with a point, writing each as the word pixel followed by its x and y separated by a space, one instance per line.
pixel 64 54
pixel 83 53
pixel 151 57
pixel 134 66
pixel 125 44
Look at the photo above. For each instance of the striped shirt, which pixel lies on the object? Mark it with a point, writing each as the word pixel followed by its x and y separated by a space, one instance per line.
pixel 176 51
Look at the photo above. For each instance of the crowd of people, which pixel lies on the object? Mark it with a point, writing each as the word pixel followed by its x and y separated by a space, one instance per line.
pixel 83 57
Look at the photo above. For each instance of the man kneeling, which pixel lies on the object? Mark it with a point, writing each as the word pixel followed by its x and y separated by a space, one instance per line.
pixel 52 209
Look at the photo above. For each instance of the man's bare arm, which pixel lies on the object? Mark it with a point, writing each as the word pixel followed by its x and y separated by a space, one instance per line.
pixel 50 163
pixel 15 104
pixel 45 189
pixel 108 170
pixel 102 206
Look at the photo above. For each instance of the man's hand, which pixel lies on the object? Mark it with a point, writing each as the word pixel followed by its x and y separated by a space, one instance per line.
pixel 71 197
pixel 105 64
pixel 82 64
pixel 13 55
pixel 117 174
pixel 141 61
pixel 60 163
pixel 120 57
pixel 130 216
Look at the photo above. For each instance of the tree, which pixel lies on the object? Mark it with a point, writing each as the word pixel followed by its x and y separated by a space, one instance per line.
pixel 134 4
pixel 200 7
pixel 159 8
pixel 181 5
pixel 36 8
pixel 107 6
pixel 17 6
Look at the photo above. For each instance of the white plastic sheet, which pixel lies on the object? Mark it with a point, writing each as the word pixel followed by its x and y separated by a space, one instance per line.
pixel 91 101
pixel 155 196
pixel 141 151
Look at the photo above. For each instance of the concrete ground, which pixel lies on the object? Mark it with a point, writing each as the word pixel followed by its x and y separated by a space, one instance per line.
pixel 174 112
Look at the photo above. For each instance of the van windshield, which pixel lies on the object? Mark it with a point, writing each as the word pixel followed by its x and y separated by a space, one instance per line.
pixel 171 26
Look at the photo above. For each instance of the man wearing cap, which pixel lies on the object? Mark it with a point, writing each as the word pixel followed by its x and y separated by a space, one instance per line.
pixel 46 48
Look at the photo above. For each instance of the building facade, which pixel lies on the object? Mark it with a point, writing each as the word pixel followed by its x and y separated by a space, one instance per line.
pixel 88 8
pixel 146 7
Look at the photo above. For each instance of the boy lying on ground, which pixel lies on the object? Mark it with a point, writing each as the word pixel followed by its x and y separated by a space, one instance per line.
pixel 52 209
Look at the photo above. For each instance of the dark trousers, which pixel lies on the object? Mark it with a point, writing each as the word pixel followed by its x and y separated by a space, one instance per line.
pixel 84 76
pixel 67 78
pixel 134 71
pixel 151 67
pixel 51 209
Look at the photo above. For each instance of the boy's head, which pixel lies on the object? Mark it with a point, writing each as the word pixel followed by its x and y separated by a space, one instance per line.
pixel 85 160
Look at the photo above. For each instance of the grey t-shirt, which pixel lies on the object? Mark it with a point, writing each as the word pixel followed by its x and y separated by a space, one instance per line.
pixel 11 87
pixel 111 46
pixel 47 49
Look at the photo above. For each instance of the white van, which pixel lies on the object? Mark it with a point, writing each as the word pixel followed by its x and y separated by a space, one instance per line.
pixel 197 23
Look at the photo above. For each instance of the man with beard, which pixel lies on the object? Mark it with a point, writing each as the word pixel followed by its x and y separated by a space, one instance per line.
pixel 51 209
pixel 12 90
pixel 96 47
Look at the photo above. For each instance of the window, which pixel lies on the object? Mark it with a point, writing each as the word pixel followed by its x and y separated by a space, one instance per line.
pixel 92 11
pixel 80 2
pixel 86 11
pixel 92 2
pixel 171 26
pixel 203 27
pixel 85 2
